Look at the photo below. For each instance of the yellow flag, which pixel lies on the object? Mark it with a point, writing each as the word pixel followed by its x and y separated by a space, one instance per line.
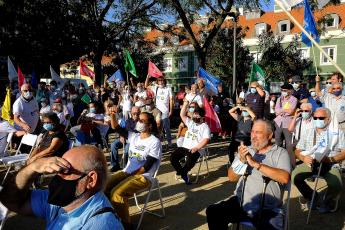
pixel 6 108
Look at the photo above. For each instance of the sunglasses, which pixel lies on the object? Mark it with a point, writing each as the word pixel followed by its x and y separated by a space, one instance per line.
pixel 329 83
pixel 319 118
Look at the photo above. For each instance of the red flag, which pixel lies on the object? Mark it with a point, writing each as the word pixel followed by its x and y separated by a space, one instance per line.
pixel 211 118
pixel 86 71
pixel 154 71
pixel 21 78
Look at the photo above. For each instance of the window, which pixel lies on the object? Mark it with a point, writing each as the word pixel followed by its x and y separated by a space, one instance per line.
pixel 332 52
pixel 160 41
pixel 182 64
pixel 305 53
pixel 175 40
pixel 284 26
pixel 256 56
pixel 332 21
pixel 167 65
pixel 260 28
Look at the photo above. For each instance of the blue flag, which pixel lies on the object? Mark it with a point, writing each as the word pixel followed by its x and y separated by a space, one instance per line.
pixel 211 81
pixel 266 5
pixel 309 25
pixel 34 82
pixel 117 76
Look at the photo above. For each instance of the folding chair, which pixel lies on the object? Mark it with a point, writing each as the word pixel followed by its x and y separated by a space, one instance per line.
pixel 28 139
pixel 203 159
pixel 3 215
pixel 154 184
pixel 8 144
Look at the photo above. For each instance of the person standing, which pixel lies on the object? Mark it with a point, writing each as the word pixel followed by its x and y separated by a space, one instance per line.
pixel 256 99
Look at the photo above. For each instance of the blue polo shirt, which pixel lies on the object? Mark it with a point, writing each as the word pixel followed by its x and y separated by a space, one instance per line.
pixel 79 218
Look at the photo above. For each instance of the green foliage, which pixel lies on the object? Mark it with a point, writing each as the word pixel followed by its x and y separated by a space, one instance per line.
pixel 280 60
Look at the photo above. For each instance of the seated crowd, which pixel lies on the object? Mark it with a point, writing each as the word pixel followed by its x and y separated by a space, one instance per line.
pixel 275 140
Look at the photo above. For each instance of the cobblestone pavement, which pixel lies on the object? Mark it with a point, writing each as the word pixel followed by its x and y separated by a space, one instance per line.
pixel 185 205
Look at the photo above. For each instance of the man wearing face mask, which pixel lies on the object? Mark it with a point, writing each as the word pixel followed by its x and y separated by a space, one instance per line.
pixel 301 121
pixel 140 96
pixel 74 198
pixel 256 99
pixel 26 111
pixel 314 99
pixel 285 109
pixel 157 114
pixel 163 99
pixel 54 92
pixel 194 142
pixel 334 101
pixel 45 108
pixel 309 148
pixel 299 92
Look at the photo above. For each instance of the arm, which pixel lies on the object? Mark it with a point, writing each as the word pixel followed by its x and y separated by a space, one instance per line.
pixel 233 177
pixel 308 160
pixel 171 105
pixel 21 123
pixel 278 109
pixel 16 192
pixel 201 144
pixel 261 92
pixel 184 112
pixel 147 81
pixel 233 113
pixel 54 146
pixel 318 85
pixel 251 113
pixel 292 125
pixel 132 83
pixel 338 158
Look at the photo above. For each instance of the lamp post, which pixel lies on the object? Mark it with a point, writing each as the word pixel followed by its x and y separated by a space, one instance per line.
pixel 234 59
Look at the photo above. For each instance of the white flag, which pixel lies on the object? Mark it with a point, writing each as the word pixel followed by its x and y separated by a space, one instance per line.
pixel 322 3
pixel 56 77
pixel 12 73
pixel 291 3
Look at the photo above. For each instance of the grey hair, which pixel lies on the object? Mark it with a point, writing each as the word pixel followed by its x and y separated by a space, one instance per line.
pixel 329 114
pixel 97 163
pixel 309 105
pixel 269 126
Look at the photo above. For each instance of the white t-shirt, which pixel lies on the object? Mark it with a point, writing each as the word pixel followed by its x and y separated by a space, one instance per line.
pixel 194 98
pixel 28 112
pixel 162 96
pixel 195 134
pixel 139 149
pixel 126 102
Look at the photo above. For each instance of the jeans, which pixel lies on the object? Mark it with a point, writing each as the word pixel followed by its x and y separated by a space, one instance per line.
pixel 219 215
pixel 114 156
pixel 333 180
pixel 166 128
pixel 180 153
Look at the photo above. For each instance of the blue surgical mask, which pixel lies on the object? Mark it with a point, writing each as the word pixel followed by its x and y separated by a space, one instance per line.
pixel 48 126
pixel 245 114
pixel 320 124
pixel 92 110
pixel 305 115
pixel 191 110
pixel 253 90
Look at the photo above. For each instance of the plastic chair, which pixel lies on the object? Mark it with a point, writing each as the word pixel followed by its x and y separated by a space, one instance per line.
pixel 154 184
pixel 28 139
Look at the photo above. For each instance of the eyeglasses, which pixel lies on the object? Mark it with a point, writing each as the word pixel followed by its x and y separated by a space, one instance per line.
pixel 328 83
pixel 319 118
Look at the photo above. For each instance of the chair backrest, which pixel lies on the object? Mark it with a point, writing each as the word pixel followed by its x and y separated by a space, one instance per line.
pixel 8 142
pixel 28 139
pixel 70 144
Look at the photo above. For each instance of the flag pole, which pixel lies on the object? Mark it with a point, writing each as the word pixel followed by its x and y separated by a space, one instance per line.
pixel 127 80
pixel 312 47
pixel 308 35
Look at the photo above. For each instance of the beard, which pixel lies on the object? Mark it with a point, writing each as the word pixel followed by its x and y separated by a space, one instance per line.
pixel 259 144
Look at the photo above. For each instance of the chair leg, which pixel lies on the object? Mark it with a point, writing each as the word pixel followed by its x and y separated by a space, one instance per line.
pixel 143 210
pixel 197 175
pixel 312 199
pixel 8 170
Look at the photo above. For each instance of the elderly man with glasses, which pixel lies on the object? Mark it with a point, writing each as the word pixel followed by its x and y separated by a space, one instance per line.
pixel 74 198
pixel 323 144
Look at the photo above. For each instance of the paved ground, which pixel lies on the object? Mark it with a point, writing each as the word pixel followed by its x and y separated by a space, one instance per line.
pixel 185 205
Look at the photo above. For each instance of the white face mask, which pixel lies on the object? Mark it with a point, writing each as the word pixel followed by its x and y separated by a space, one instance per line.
pixel 27 95
pixel 284 94
pixel 140 127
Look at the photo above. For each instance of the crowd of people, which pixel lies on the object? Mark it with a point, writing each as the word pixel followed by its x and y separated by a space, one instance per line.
pixel 287 136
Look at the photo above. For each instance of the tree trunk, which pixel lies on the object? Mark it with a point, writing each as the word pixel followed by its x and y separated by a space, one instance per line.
pixel 201 54
pixel 97 63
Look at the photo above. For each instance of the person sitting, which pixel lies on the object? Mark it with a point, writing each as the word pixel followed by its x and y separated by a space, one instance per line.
pixel 145 151
pixel 5 129
pixel 262 158
pixel 182 128
pixel 53 141
pixel 195 140
pixel 74 198
pixel 244 127
pixel 307 151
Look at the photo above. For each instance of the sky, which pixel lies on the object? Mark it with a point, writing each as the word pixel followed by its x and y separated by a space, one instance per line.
pixel 267 5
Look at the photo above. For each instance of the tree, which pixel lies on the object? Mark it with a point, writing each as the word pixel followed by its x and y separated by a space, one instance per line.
pixel 280 60
pixel 221 57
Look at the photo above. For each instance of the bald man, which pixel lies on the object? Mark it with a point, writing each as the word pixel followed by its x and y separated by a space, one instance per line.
pixel 74 199
pixel 25 110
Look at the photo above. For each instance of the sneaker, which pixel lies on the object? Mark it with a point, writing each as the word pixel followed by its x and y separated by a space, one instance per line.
pixel 185 178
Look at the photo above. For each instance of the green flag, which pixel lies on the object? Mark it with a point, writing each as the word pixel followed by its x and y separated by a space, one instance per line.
pixel 86 99
pixel 257 74
pixel 129 64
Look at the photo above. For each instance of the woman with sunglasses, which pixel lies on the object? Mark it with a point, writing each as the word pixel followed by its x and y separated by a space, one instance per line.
pixel 53 141
pixel 145 151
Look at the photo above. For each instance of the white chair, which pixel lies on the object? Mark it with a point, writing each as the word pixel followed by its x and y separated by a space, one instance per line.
pixel 8 162
pixel 154 184
pixel 3 215
pixel 202 160
pixel 8 144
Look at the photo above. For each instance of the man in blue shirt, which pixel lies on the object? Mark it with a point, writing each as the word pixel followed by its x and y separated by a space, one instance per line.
pixel 74 199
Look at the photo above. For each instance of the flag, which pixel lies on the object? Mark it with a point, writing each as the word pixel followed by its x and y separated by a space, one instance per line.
pixel 211 81
pixel 86 71
pixel 12 73
pixel 129 64
pixel 154 71
pixel 291 3
pixel 309 25
pixel 34 82
pixel 86 99
pixel 257 74
pixel 6 108
pixel 266 5
pixel 56 77
pixel 117 77
pixel 21 78
pixel 211 118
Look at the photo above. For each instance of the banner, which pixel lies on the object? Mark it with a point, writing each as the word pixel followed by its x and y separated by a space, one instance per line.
pixel 6 108
pixel 154 71
pixel 56 77
pixel 21 78
pixel 129 64
pixel 12 73
pixel 211 118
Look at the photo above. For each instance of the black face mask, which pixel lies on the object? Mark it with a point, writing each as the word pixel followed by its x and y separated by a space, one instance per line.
pixel 63 192
pixel 197 120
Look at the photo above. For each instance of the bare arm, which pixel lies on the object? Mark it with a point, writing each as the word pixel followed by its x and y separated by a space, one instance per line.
pixel 21 123
pixel 54 146
pixel 261 92
pixel 184 112
pixel 171 104
pixel 147 81
pixel 233 113
pixel 292 125
pixel 318 85
pixel 233 177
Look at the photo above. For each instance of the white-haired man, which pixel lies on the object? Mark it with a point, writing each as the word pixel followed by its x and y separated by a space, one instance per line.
pixel 302 121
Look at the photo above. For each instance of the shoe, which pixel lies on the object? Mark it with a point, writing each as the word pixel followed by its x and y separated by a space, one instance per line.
pixel 328 207
pixel 185 178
